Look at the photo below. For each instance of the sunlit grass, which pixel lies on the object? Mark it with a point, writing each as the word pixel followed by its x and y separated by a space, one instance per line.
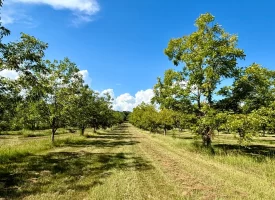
pixel 18 150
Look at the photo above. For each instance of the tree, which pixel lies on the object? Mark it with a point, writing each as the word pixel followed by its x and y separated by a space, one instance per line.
pixel 209 54
pixel 145 116
pixel 59 86
pixel 101 115
pixel 166 119
pixel 9 99
pixel 81 108
pixel 117 118
pixel 26 58
pixel 243 125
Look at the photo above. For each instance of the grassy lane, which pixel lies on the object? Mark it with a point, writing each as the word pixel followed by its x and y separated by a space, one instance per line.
pixel 126 163
pixel 202 177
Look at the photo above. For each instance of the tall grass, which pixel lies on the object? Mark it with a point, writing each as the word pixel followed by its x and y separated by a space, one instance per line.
pixel 12 152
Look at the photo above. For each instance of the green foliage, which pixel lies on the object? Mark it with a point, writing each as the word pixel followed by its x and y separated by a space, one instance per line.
pixel 185 120
pixel 166 119
pixel 209 54
pixel 171 92
pixel 145 116
pixel 254 88
pixel 242 125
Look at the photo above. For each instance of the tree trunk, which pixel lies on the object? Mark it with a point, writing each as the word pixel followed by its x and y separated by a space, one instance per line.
pixel 53 129
pixel 53 134
pixel 209 99
pixel 207 137
pixel 164 132
pixel 82 131
pixel 94 129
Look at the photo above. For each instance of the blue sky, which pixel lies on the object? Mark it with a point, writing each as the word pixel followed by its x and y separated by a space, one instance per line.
pixel 121 42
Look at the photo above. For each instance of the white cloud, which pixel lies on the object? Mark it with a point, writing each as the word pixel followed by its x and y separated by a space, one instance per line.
pixel 88 7
pixel 144 96
pixel 82 10
pixel 86 77
pixel 9 74
pixel 126 102
pixel 109 91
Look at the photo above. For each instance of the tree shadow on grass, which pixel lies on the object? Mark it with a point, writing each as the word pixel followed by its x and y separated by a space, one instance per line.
pixel 96 143
pixel 63 171
pixel 184 137
pixel 257 151
pixel 110 137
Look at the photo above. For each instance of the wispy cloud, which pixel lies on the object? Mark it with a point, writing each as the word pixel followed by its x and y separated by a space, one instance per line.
pixel 82 10
pixel 12 14
pixel 88 7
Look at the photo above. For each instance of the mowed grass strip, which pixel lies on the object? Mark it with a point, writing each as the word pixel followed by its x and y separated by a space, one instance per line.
pixel 203 176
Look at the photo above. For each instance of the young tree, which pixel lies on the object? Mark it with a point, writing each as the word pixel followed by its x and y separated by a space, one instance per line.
pixel 243 125
pixel 59 86
pixel 81 107
pixel 101 115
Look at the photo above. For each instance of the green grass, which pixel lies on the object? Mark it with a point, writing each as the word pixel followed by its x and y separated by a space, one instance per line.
pixel 11 153
pixel 30 133
pixel 127 163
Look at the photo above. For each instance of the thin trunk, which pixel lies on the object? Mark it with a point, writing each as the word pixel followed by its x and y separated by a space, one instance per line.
pixel 164 132
pixel 94 129
pixel 53 134
pixel 82 131
pixel 53 129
